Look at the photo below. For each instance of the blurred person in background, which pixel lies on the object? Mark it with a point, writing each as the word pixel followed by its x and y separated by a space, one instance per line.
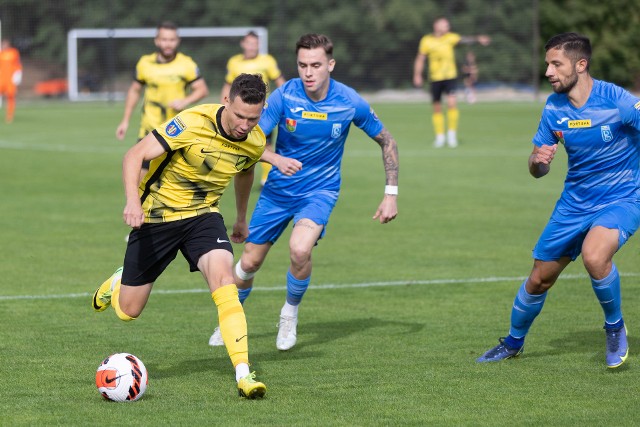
pixel 439 48
pixel 166 76
pixel 10 76
pixel 251 61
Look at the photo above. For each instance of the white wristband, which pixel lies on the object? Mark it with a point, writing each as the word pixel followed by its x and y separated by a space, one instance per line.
pixel 391 190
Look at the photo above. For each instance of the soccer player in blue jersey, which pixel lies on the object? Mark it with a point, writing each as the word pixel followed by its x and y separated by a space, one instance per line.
pixel 598 123
pixel 313 114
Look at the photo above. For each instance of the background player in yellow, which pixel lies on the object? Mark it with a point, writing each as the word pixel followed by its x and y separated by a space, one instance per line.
pixel 439 48
pixel 193 158
pixel 252 61
pixel 166 75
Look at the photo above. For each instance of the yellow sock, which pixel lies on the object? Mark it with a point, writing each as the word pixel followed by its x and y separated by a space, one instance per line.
pixel 266 167
pixel 115 303
pixel 233 323
pixel 452 119
pixel 438 123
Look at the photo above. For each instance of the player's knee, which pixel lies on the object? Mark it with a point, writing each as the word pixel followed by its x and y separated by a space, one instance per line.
pixel 124 316
pixel 246 270
pixel 537 284
pixel 300 255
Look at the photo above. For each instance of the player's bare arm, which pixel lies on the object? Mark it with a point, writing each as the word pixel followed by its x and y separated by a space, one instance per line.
pixel 540 160
pixel 199 90
pixel 388 209
pixel 147 149
pixel 242 184
pixel 286 165
pixel 418 69
pixel 133 95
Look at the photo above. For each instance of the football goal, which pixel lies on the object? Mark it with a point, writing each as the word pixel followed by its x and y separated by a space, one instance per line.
pixel 101 61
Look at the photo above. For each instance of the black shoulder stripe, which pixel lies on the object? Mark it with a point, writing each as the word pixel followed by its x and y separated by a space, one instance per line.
pixel 156 175
pixel 161 140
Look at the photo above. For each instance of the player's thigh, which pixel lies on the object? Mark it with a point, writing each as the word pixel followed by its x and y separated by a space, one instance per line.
pixel 562 237
pixel 310 221
pixel 216 267
pixel 623 216
pixel 544 274
pixel 269 220
pixel 203 234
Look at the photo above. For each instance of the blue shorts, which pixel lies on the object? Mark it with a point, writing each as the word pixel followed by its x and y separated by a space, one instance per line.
pixel 270 217
pixel 564 234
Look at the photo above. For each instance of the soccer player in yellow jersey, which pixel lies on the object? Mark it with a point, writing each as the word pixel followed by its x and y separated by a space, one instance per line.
pixel 193 158
pixel 251 61
pixel 439 48
pixel 166 76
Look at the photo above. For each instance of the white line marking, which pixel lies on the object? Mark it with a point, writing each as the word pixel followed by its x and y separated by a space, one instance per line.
pixel 320 287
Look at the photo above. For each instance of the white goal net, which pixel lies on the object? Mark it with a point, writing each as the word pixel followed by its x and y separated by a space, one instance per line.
pixel 101 61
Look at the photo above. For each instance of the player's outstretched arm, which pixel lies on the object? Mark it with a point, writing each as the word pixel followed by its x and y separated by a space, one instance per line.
pixel 540 160
pixel 286 165
pixel 242 184
pixel 388 209
pixel 133 95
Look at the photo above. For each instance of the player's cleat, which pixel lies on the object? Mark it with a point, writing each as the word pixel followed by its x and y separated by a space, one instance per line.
pixel 102 297
pixel 617 346
pixel 440 140
pixel 500 352
pixel 216 339
pixel 287 332
pixel 250 388
pixel 452 139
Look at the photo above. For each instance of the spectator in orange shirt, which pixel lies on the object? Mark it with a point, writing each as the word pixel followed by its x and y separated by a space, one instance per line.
pixel 10 76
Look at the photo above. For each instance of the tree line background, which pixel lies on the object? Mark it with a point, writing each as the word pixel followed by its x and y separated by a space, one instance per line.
pixel 375 40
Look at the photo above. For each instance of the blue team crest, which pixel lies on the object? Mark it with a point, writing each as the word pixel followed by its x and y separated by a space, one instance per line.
pixel 606 133
pixel 174 127
pixel 336 130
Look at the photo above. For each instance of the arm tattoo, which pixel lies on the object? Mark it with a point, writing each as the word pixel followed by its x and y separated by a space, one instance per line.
pixel 389 156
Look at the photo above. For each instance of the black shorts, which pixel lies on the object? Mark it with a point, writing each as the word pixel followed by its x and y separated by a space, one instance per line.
pixel 447 87
pixel 152 247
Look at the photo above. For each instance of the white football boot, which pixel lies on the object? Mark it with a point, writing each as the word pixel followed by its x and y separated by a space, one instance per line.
pixel 286 332
pixel 216 338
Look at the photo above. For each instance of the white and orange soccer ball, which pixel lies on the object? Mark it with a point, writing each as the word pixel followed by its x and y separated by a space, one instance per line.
pixel 122 377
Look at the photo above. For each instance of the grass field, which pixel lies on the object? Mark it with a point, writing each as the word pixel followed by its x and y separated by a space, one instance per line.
pixel 389 330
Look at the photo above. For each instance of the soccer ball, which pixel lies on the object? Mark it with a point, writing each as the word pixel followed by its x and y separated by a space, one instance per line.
pixel 122 377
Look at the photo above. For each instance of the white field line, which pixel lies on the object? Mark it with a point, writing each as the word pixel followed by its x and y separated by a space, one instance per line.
pixel 319 287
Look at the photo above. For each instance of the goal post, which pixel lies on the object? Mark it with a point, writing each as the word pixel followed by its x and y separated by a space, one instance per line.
pixel 110 34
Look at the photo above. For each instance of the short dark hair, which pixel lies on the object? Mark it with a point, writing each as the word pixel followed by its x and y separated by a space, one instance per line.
pixel 575 46
pixel 251 34
pixel 167 25
pixel 250 87
pixel 312 41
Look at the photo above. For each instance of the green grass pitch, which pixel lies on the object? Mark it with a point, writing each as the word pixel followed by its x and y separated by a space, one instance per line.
pixel 389 330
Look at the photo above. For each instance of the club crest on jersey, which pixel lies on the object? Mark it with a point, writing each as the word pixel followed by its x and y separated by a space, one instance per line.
pixel 174 127
pixel 607 135
pixel 336 130
pixel 291 125
pixel 559 135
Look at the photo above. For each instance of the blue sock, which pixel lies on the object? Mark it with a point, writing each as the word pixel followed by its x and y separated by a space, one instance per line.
pixel 296 288
pixel 525 309
pixel 243 294
pixel 608 292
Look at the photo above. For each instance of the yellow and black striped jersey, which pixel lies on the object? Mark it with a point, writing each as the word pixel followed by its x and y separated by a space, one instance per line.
pixel 189 179
pixel 263 64
pixel 164 83
pixel 442 60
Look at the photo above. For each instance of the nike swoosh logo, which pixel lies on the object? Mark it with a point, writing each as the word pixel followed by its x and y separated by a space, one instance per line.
pixel 562 120
pixel 222 241
pixel 295 110
pixel 238 339
pixel 110 380
pixel 203 151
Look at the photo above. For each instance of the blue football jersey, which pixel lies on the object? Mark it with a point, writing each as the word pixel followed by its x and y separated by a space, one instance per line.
pixel 315 134
pixel 602 141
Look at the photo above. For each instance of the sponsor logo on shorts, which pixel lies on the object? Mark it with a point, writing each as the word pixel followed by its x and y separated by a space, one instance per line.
pixel 573 124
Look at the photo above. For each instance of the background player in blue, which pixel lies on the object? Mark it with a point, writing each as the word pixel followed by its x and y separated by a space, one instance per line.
pixel 313 114
pixel 599 209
